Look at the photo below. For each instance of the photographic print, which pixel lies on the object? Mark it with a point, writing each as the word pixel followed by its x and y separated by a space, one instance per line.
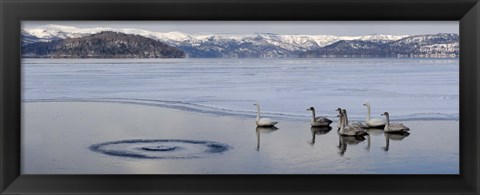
pixel 240 97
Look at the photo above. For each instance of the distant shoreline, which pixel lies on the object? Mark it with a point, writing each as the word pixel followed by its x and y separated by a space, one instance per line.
pixel 252 58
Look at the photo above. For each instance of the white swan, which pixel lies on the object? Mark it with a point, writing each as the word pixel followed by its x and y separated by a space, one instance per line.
pixel 355 123
pixel 349 130
pixel 373 122
pixel 318 121
pixel 394 127
pixel 263 122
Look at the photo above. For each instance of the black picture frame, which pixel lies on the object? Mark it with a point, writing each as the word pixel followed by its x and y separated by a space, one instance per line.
pixel 12 12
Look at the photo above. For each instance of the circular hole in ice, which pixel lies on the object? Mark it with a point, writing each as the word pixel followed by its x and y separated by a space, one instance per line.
pixel 160 148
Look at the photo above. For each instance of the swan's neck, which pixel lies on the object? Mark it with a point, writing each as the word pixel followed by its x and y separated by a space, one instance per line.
pixel 388 121
pixel 346 118
pixel 313 115
pixel 258 112
pixel 340 119
pixel 368 115
pixel 342 124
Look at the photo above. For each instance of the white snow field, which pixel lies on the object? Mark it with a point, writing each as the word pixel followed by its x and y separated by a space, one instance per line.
pixel 410 89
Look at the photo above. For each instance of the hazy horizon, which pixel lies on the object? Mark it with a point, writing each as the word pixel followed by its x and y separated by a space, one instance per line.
pixel 337 28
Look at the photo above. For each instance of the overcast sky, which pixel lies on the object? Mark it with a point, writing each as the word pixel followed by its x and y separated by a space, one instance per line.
pixel 277 27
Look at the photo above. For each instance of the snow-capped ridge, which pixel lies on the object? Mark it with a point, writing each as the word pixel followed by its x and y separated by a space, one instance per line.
pixel 262 44
pixel 293 41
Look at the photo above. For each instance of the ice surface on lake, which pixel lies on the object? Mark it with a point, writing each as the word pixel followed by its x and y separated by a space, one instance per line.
pixel 407 88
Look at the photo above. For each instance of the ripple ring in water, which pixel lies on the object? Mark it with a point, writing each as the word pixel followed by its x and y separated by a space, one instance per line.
pixel 160 148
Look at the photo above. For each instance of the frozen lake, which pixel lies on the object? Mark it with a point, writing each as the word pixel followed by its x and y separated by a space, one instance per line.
pixel 195 116
pixel 407 88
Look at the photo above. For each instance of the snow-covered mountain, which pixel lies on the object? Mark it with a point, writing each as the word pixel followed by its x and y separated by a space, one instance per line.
pixel 28 38
pixel 105 44
pixel 221 45
pixel 55 32
pixel 289 42
pixel 436 45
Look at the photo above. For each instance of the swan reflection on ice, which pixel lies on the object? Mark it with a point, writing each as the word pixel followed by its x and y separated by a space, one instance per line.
pixel 263 130
pixel 343 141
pixel 319 131
pixel 395 137
pixel 375 131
